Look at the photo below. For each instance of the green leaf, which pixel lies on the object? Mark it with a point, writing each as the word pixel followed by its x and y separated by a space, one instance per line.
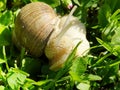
pixel 2 4
pixel 105 44
pixel 5 36
pixel 108 74
pixel 115 15
pixel 76 2
pixel 115 41
pixel 2 28
pixel 2 61
pixel 101 60
pixel 86 3
pixel 108 31
pixel 6 18
pixel 92 77
pixel 16 78
pixel 104 14
pixel 78 68
pixel 111 47
pixel 111 27
pixel 90 3
pixel 53 3
pixel 39 83
pixel 117 86
pixel 83 86
pixel 114 4
pixel 85 81
pixel 29 83
pixel 2 87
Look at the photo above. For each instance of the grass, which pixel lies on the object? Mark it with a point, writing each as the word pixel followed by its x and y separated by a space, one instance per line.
pixel 98 70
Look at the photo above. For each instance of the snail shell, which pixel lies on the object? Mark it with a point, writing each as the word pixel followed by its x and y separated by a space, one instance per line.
pixel 33 27
pixel 37 29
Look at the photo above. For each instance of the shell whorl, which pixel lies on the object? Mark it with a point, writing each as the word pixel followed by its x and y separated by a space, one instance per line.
pixel 33 27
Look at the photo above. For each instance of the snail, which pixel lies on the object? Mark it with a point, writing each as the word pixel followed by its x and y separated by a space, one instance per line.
pixel 40 30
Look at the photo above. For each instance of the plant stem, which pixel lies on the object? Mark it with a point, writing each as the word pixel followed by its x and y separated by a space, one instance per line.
pixel 5 58
pixel 101 59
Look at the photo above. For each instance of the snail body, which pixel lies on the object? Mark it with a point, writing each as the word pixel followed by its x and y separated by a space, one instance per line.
pixel 57 50
pixel 39 30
